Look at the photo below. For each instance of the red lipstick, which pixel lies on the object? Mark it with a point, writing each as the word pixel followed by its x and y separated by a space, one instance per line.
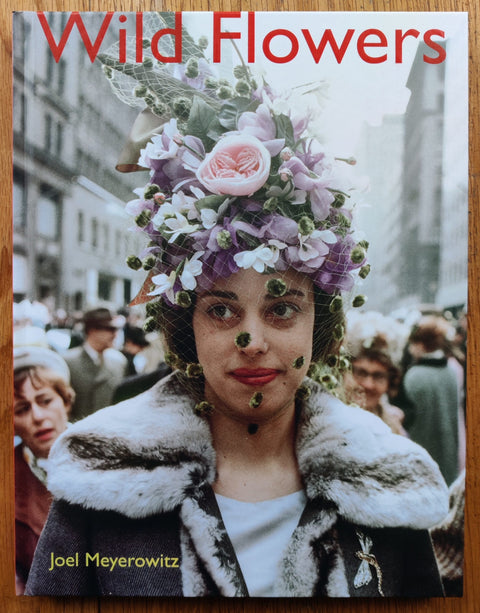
pixel 255 376
pixel 44 435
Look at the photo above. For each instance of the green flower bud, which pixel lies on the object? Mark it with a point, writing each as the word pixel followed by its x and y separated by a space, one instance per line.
pixel 150 324
pixel 149 262
pixel 240 71
pixel 338 332
pixel 160 109
pixel 210 83
pixel 313 370
pixel 270 204
pixel 134 262
pixel 365 244
pixel 364 271
pixel 183 299
pixel 181 107
pixel 343 221
pixel 143 218
pixel 224 92
pixel 243 339
pixel 140 91
pixel 242 87
pixel 203 408
pixel 359 301
pixel 170 359
pixel 224 239
pixel 152 309
pixel 306 226
pixel 343 364
pixel 303 392
pixel 329 381
pixel 146 42
pixel 149 99
pixel 191 68
pixel 203 42
pixel 336 304
pixel 299 362
pixel 193 371
pixel 339 201
pixel 108 72
pixel 255 400
pixel 332 360
pixel 357 254
pixel 148 62
pixel 150 191
pixel 276 287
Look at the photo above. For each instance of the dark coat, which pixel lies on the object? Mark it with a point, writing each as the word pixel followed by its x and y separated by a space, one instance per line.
pixel 32 503
pixel 134 482
pixel 94 385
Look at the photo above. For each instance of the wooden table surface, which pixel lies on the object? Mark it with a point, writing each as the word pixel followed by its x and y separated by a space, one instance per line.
pixel 11 604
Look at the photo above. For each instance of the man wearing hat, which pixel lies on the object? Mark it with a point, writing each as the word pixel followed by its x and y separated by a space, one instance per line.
pixel 96 368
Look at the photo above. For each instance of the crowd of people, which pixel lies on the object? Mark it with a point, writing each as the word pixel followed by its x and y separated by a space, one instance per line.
pixel 410 375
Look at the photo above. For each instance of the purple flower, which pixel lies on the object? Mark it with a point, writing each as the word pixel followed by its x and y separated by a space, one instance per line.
pixel 334 275
pixel 320 196
pixel 261 125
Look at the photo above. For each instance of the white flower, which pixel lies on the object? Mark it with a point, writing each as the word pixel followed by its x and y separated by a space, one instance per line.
pixel 260 258
pixel 209 218
pixel 164 285
pixel 327 236
pixel 165 210
pixel 179 225
pixel 191 269
pixel 184 204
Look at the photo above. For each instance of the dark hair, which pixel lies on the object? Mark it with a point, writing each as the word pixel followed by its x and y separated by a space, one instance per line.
pixel 430 332
pixel 177 328
pixel 41 376
pixel 377 355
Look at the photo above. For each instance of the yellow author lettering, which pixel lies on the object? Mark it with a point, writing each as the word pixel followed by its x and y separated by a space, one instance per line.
pixel 95 559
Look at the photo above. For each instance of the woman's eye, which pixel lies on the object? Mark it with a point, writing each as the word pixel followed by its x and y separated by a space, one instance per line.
pixel 284 311
pixel 221 312
pixel 20 410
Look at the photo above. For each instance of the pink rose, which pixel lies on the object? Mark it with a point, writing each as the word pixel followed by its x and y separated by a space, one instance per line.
pixel 238 165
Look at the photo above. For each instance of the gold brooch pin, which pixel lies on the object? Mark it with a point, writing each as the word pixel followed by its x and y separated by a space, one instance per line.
pixel 364 574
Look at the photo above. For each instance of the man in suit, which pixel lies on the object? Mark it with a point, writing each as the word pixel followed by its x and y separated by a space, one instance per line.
pixel 95 367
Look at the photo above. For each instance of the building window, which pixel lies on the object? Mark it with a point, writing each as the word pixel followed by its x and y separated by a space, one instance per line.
pixel 94 232
pixel 19 208
pixel 48 132
pixel 105 287
pixel 80 227
pixel 47 217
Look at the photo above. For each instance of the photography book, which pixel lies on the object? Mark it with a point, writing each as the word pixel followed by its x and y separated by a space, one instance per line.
pixel 157 156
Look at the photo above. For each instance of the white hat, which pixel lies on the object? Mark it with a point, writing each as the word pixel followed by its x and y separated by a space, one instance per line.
pixel 26 357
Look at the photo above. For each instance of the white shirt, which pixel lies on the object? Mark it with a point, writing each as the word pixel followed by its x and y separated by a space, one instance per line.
pixel 260 532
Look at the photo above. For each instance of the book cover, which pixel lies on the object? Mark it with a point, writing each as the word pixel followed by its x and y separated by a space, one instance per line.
pixel 239 292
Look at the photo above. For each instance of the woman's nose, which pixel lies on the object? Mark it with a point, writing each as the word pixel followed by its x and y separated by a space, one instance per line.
pixel 254 340
pixel 38 413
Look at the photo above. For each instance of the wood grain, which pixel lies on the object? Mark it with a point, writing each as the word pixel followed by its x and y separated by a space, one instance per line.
pixel 9 603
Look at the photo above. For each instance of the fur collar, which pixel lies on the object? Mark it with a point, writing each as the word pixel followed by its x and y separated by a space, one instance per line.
pixel 148 454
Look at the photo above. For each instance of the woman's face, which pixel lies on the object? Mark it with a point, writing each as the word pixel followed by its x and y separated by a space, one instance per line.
pixel 280 331
pixel 39 417
pixel 373 379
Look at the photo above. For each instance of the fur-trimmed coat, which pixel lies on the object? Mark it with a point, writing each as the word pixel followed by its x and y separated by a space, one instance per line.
pixel 135 513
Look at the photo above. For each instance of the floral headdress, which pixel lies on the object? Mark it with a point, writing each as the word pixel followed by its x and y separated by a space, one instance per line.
pixel 237 181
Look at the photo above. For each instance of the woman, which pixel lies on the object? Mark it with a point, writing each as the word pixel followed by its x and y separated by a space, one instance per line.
pixel 238 475
pixel 42 399
pixel 375 343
